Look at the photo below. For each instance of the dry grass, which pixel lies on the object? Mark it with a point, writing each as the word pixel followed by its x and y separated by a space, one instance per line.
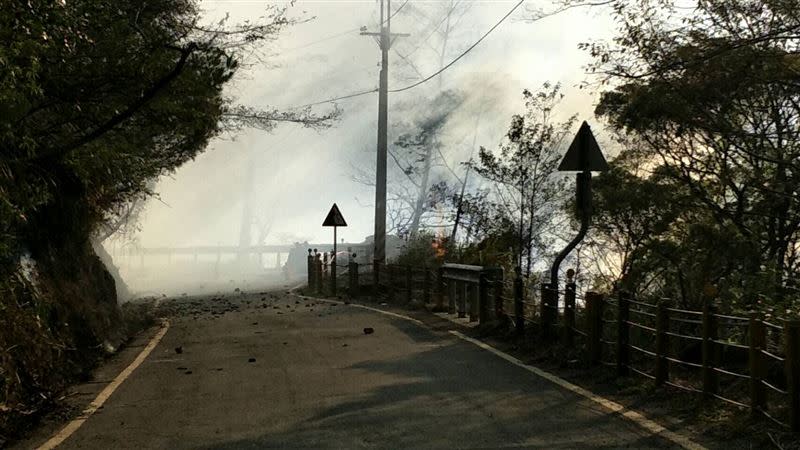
pixel 54 328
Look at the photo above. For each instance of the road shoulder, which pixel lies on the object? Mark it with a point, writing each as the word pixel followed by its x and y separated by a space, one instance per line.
pixel 78 397
pixel 661 424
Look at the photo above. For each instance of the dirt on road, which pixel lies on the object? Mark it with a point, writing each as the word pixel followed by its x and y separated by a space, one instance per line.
pixel 274 370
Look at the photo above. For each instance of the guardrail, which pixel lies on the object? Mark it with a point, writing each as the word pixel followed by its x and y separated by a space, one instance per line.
pixel 747 362
pixel 470 290
pixel 674 347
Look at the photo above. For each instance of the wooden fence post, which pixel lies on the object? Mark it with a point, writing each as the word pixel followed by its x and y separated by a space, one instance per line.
pixel 548 308
pixel 594 325
pixel 318 274
pixel 390 282
pixel 757 342
pixel 440 289
pixel 499 307
pixel 710 359
pixel 791 330
pixel 568 335
pixel 311 270
pixel 426 294
pixel 662 343
pixel 409 284
pixel 483 299
pixel 519 306
pixel 623 334
pixel 353 269
pixel 324 270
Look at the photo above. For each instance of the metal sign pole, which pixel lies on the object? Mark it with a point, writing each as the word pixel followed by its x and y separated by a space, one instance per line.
pixel 334 219
pixel 583 156
pixel 333 264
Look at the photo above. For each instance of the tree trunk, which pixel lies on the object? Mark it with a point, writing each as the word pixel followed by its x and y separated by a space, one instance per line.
pixel 530 234
pixel 422 195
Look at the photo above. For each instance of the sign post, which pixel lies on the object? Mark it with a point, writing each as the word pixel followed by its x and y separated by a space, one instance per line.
pixel 583 156
pixel 334 219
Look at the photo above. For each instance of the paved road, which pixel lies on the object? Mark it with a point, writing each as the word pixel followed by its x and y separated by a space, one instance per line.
pixel 319 382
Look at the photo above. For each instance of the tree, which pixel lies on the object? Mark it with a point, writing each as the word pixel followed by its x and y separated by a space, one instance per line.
pixel 523 171
pixel 427 49
pixel 101 98
pixel 418 150
pixel 714 103
pixel 417 163
pixel 98 98
pixel 677 38
pixel 632 212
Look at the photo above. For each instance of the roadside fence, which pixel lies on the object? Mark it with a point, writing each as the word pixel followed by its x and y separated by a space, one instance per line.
pixel 747 362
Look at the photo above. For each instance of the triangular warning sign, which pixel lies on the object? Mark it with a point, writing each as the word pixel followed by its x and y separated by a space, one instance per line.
pixel 584 153
pixel 334 218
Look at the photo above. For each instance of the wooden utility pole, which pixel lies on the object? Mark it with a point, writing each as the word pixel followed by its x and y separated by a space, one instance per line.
pixel 384 39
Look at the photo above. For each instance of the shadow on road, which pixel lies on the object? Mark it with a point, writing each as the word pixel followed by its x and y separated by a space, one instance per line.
pixel 452 395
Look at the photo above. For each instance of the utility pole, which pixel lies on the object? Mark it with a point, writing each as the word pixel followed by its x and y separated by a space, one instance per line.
pixel 384 38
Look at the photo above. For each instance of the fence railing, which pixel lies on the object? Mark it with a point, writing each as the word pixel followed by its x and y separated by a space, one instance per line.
pixel 747 362
pixel 470 290
pixel 743 361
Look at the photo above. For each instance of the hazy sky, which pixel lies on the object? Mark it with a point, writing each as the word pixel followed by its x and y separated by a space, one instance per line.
pixel 299 173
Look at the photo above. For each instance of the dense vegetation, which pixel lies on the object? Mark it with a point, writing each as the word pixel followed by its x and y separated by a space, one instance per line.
pixel 706 104
pixel 702 105
pixel 97 99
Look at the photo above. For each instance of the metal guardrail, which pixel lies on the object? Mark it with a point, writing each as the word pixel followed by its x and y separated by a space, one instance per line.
pixel 469 291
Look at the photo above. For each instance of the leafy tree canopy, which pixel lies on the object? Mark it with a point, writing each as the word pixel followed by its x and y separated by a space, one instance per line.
pixel 711 98
pixel 101 97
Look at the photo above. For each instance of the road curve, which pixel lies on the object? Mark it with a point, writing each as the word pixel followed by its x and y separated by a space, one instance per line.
pixel 279 371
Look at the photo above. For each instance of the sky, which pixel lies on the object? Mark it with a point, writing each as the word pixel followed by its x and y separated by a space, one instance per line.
pixel 299 173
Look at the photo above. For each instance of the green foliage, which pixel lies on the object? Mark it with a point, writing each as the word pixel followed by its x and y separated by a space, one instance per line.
pixel 523 170
pixel 630 214
pixel 707 101
pixel 99 98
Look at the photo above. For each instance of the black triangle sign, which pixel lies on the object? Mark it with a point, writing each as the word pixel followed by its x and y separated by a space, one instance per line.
pixel 334 218
pixel 584 153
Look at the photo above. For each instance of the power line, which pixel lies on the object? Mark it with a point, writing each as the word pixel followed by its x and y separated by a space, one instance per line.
pixel 396 11
pixel 343 33
pixel 462 54
pixel 344 97
pixel 365 92
pixel 328 38
pixel 435 29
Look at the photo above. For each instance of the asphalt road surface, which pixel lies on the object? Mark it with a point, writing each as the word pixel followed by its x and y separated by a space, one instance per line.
pixel 278 371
